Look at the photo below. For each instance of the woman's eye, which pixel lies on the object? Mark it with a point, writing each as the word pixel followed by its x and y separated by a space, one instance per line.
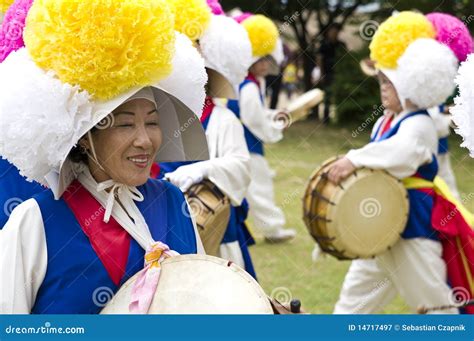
pixel 152 123
pixel 124 125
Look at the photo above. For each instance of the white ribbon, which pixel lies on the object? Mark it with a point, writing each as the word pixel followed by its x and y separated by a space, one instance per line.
pixel 126 194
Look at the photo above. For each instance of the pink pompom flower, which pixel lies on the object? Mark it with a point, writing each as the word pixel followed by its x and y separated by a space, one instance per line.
pixel 215 7
pixel 11 32
pixel 453 33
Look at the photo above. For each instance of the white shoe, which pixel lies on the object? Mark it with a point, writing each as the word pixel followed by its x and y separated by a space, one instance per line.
pixel 280 236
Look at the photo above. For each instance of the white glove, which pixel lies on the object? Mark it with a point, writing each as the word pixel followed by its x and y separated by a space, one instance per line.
pixel 186 176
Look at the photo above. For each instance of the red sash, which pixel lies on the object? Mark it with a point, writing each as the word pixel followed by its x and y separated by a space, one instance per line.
pixel 109 240
pixel 457 238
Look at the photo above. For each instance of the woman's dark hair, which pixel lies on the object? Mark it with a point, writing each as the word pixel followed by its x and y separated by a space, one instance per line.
pixel 78 154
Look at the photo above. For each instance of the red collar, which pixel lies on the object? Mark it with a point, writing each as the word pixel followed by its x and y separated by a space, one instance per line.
pixel 253 78
pixel 208 108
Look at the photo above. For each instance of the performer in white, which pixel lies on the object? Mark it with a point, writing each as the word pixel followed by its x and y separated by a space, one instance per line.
pixel 94 139
pixel 227 52
pixel 261 126
pixel 463 110
pixel 405 144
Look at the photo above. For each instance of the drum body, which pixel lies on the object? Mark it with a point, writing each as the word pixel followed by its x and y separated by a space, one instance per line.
pixel 362 217
pixel 198 284
pixel 211 211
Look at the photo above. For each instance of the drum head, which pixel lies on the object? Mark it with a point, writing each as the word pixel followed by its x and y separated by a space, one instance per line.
pixel 300 106
pixel 199 284
pixel 371 212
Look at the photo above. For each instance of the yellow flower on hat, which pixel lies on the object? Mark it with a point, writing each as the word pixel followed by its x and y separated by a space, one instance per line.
pixel 4 5
pixel 395 34
pixel 263 34
pixel 106 47
pixel 192 17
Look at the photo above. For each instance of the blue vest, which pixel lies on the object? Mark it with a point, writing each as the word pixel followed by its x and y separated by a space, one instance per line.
pixel 254 144
pixel 443 145
pixel 14 189
pixel 76 281
pixel 421 205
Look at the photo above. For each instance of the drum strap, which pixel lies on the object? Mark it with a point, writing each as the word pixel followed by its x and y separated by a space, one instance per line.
pixel 109 240
pixel 457 233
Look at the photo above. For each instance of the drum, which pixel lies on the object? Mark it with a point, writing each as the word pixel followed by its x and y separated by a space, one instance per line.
pixel 198 284
pixel 361 217
pixel 211 211
pixel 299 108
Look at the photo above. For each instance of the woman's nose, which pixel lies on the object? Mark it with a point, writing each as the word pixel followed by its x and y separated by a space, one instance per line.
pixel 142 138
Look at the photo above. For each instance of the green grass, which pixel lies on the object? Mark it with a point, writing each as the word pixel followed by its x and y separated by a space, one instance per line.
pixel 287 269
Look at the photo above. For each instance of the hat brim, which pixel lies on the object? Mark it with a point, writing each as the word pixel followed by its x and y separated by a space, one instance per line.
pixel 367 69
pixel 219 86
pixel 184 138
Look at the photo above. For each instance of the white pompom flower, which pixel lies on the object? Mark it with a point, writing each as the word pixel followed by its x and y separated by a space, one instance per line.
pixel 188 80
pixel 463 110
pixel 226 48
pixel 426 73
pixel 40 117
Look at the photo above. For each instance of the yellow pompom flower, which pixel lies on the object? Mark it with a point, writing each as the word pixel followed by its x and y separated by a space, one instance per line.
pixel 192 17
pixel 4 5
pixel 263 34
pixel 104 46
pixel 395 34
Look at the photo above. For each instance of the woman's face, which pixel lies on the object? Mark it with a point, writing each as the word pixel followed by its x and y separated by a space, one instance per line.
pixel 388 94
pixel 261 68
pixel 127 149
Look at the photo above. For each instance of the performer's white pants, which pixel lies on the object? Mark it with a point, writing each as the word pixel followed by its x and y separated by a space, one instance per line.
pixel 445 171
pixel 268 218
pixel 412 268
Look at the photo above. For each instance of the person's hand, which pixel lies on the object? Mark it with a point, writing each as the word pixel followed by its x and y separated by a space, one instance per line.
pixel 186 176
pixel 340 170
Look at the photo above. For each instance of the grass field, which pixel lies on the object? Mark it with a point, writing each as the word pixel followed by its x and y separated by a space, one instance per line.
pixel 286 270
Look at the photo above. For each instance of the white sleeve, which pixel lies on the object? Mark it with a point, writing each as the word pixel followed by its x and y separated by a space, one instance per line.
pixel 401 155
pixel 229 166
pixel 23 259
pixel 442 122
pixel 255 117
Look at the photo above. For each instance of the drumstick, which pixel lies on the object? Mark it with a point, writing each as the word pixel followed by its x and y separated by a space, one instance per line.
pixel 424 310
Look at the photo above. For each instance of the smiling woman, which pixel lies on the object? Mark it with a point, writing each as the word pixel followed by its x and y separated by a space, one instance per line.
pixel 92 138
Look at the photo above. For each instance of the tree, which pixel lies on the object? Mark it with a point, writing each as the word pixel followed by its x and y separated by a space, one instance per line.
pixel 309 19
